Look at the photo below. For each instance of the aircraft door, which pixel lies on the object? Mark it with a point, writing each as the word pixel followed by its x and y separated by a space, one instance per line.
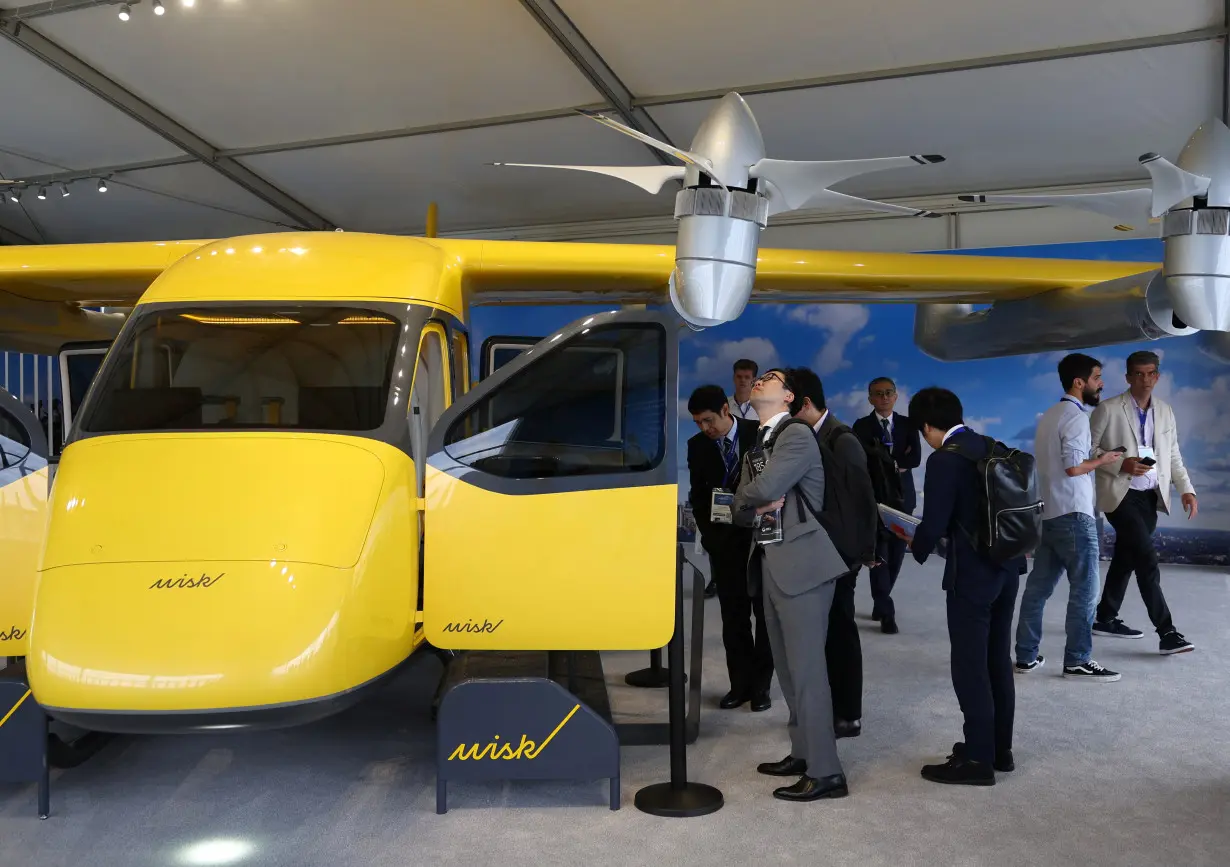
pixel 551 495
pixel 23 511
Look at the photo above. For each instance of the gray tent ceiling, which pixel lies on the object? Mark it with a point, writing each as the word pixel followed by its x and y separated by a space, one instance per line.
pixel 248 115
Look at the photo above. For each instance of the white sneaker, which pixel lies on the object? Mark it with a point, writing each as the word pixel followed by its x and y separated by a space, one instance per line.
pixel 1091 671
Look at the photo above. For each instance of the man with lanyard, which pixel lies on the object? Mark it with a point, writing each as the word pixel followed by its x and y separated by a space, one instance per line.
pixel 781 489
pixel 1069 529
pixel 714 456
pixel 900 437
pixel 745 372
pixel 1132 490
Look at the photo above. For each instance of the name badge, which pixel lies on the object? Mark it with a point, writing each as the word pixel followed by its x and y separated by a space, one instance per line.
pixel 769 528
pixel 1147 452
pixel 721 506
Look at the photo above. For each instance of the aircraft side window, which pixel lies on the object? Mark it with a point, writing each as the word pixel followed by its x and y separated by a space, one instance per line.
pixel 430 395
pixel 593 406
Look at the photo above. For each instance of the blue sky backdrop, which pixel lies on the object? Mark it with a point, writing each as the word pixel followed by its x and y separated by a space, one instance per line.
pixel 848 344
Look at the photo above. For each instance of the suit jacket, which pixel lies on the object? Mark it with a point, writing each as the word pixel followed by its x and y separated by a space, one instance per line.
pixel 707 471
pixel 950 510
pixel 806 556
pixel 853 459
pixel 1115 423
pixel 907 449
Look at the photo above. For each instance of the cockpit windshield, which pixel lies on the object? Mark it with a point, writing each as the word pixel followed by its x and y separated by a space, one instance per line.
pixel 289 367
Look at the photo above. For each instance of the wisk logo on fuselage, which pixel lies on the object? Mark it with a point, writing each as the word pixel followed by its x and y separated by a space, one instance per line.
pixel 527 749
pixel 186 583
pixel 13 634
pixel 471 626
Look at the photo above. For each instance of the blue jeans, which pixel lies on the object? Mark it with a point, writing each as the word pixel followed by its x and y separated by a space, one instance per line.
pixel 1069 542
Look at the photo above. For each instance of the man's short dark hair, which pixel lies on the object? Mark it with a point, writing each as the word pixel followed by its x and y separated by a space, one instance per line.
pixel 805 385
pixel 880 379
pixel 1076 366
pixel 707 398
pixel 1142 357
pixel 747 364
pixel 937 407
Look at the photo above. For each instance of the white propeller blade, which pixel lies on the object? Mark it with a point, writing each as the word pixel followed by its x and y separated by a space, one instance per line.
pixel 702 163
pixel 798 182
pixel 830 200
pixel 1133 206
pixel 651 179
pixel 1172 184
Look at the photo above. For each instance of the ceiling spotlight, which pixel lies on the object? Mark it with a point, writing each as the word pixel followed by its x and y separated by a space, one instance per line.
pixel 15 196
pixel 64 193
pixel 125 12
pixel 42 194
pixel 188 4
pixel 159 9
pixel 102 185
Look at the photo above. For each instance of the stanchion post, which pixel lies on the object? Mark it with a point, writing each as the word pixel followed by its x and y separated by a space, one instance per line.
pixel 678 798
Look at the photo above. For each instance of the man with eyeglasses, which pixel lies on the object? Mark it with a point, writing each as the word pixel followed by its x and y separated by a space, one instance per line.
pixel 900 437
pixel 796 566
pixel 1132 490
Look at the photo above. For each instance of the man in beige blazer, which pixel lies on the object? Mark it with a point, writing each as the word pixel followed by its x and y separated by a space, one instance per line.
pixel 1132 490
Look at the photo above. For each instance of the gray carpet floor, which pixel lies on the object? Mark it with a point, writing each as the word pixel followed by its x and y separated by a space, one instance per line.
pixel 1131 773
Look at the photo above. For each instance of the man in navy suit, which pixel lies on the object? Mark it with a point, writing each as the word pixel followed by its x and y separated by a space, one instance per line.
pixel 714 457
pixel 981 593
pixel 900 437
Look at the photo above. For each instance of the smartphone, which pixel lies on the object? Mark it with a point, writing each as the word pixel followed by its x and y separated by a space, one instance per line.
pixel 1148 462
pixel 1120 449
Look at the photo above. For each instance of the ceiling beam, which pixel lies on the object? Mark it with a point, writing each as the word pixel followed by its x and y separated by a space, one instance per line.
pixel 33 42
pixel 586 58
pixel 55 7
pixel 1185 38
pixel 1093 49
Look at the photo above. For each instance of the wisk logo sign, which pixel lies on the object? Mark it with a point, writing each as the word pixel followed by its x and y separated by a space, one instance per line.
pixel 498 749
pixel 13 634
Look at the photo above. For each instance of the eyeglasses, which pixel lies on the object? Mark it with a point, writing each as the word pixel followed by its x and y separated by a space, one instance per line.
pixel 769 377
pixel 884 392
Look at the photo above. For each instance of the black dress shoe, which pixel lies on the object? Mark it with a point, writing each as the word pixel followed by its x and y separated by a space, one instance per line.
pixel 847 728
pixel 787 767
pixel 1003 762
pixel 732 700
pixel 960 772
pixel 889 626
pixel 761 702
pixel 813 789
pixel 710 589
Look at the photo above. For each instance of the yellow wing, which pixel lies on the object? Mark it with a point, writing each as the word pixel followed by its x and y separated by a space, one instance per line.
pixel 43 289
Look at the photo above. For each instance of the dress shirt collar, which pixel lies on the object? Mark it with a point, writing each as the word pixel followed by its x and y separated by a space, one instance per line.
pixel 775 421
pixel 816 427
pixel 952 431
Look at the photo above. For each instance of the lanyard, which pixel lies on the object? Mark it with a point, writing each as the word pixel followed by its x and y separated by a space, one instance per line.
pixel 1073 401
pixel 1143 416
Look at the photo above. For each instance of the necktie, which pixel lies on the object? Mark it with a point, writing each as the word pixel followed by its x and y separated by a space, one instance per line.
pixel 730 457
pixel 760 436
pixel 884 424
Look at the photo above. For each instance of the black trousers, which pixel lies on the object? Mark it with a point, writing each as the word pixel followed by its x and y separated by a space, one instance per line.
pixel 843 652
pixel 890 551
pixel 749 660
pixel 1134 522
pixel 980 630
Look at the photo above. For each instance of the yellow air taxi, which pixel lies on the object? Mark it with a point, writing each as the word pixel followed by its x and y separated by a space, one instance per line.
pixel 278 487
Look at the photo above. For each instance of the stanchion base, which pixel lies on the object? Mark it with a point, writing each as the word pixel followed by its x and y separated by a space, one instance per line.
pixel 649 678
pixel 693 799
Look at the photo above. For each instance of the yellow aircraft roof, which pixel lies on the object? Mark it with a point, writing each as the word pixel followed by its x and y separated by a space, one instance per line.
pixel 454 273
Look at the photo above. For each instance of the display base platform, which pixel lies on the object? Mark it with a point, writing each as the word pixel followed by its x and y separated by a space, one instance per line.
pixel 679 802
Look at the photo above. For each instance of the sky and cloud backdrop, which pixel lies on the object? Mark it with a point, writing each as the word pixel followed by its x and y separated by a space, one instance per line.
pixel 848 344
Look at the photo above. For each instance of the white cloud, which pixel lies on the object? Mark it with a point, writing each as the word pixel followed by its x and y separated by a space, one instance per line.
pixel 866 340
pixel 840 322
pixel 1203 414
pixel 981 424
pixel 715 366
pixel 849 405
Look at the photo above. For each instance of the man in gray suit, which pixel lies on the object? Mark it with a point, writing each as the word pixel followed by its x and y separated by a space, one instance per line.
pixel 782 488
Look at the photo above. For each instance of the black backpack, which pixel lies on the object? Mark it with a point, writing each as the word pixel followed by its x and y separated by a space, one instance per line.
pixel 1009 507
pixel 885 479
pixel 853 535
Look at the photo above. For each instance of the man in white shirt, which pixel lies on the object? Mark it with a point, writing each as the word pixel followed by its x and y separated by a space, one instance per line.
pixel 1069 542
pixel 745 374
pixel 1132 491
